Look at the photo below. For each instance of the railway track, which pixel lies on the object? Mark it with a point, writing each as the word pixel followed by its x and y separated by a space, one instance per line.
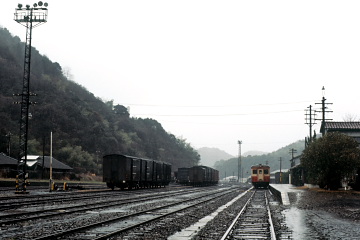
pixel 254 221
pixel 55 211
pixel 118 225
pixel 90 215
pixel 17 201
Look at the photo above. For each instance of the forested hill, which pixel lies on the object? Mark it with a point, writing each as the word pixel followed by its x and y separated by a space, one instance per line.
pixel 84 127
pixel 229 167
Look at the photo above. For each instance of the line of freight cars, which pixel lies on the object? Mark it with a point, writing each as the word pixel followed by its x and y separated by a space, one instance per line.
pixel 129 172
pixel 198 176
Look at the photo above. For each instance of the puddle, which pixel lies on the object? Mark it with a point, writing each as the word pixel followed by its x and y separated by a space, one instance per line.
pixel 295 220
pixel 114 210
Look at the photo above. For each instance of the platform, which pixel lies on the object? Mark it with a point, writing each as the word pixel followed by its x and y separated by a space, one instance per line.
pixel 282 190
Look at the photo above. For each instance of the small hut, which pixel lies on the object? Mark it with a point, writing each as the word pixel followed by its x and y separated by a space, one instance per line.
pixel 8 166
pixel 39 166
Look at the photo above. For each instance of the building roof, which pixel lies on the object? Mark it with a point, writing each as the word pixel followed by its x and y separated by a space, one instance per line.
pixel 278 170
pixel 56 164
pixel 6 160
pixel 32 160
pixel 341 126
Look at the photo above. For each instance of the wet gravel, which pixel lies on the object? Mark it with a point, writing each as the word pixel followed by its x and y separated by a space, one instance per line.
pixel 326 214
pixel 313 214
pixel 169 225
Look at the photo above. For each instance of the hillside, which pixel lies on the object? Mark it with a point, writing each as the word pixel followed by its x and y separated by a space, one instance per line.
pixel 253 153
pixel 208 156
pixel 230 166
pixel 84 127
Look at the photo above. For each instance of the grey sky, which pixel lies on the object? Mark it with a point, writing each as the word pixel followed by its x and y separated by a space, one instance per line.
pixel 212 72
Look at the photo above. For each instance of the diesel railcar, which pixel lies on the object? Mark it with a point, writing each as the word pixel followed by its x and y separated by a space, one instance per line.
pixel 260 176
pixel 130 172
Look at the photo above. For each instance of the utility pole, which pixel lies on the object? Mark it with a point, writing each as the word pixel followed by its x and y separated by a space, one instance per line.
pixel 323 111
pixel 29 17
pixel 9 143
pixel 292 151
pixel 280 171
pixel 239 160
pixel 310 120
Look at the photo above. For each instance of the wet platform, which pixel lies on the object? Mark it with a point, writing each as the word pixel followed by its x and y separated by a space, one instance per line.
pixel 282 190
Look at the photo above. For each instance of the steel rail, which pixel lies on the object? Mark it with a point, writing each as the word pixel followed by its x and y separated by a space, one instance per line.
pixel 272 229
pixel 230 228
pixel 94 225
pixel 83 207
pixel 107 236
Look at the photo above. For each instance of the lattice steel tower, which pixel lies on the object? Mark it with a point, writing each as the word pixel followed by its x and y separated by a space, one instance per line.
pixel 29 17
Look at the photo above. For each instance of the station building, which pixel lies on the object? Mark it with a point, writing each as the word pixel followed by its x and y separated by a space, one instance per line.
pixel 37 167
pixel 351 129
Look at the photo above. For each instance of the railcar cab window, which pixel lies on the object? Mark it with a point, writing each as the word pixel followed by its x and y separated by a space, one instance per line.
pixel 260 171
pixel 254 171
pixel 266 171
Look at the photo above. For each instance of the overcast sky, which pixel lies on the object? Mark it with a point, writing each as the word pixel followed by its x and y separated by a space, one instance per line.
pixel 211 72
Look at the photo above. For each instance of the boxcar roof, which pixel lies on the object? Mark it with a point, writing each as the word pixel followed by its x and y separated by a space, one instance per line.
pixel 128 156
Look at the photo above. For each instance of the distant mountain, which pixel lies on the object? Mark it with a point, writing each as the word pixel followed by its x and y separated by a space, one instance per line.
pixel 208 156
pixel 253 153
pixel 230 166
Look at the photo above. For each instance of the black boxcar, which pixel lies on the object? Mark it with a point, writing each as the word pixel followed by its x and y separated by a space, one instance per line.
pixel 130 172
pixel 203 176
pixel 197 175
pixel 183 176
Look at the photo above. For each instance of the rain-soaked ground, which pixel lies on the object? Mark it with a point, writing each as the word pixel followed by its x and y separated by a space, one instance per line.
pixel 319 214
pixel 312 224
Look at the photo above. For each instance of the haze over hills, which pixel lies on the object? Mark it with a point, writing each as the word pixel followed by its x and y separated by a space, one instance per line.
pixel 253 153
pixel 274 159
pixel 208 156
pixel 84 127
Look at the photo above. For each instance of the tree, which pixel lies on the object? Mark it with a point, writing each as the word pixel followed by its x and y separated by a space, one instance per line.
pixel 330 159
pixel 121 110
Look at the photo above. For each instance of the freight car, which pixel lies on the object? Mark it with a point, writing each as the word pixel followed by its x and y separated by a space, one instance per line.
pixel 260 176
pixel 183 176
pixel 130 172
pixel 198 176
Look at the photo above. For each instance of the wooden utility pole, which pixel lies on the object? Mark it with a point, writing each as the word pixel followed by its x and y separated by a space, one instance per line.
pixel 323 111
pixel 280 171
pixel 239 160
pixel 292 151
pixel 310 120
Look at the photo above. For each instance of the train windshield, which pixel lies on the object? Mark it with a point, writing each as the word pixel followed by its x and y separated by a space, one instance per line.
pixel 254 171
pixel 266 171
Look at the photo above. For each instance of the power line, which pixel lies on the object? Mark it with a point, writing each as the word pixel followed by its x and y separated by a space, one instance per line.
pixel 211 106
pixel 240 124
pixel 215 115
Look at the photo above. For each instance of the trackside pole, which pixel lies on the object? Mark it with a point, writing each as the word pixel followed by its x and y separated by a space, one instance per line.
pixel 50 183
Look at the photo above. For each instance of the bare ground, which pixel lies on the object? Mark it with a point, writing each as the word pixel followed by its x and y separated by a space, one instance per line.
pixel 325 214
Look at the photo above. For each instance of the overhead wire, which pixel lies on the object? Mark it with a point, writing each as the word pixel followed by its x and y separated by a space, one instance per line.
pixel 212 106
